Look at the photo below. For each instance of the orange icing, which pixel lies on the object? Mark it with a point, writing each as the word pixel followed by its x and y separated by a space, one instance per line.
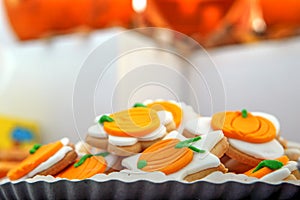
pixel 163 156
pixel 134 122
pixel 91 166
pixel 168 106
pixel 253 129
pixel 34 160
pixel 265 170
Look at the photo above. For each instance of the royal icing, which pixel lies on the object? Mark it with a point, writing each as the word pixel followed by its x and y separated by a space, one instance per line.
pixel 165 117
pixel 199 126
pixel 271 118
pixel 200 161
pixel 97 131
pixel 267 150
pixel 58 156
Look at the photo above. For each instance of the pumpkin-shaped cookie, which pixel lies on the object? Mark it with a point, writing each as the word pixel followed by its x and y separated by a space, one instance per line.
pixel 244 126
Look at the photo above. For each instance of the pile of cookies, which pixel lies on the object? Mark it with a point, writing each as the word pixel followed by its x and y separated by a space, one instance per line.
pixel 170 137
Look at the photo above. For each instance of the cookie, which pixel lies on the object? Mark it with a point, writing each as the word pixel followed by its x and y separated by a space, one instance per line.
pixel 5 166
pixel 47 159
pixel 292 153
pixel 14 154
pixel 181 112
pixel 85 167
pixel 201 126
pixel 252 138
pixel 236 167
pixel 113 162
pixel 127 132
pixel 197 126
pixel 178 157
pixel 279 169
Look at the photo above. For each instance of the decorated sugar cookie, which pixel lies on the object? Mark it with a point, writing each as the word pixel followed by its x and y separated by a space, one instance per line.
pixel 275 170
pixel 86 167
pixel 127 132
pixel 113 161
pixel 252 136
pixel 47 159
pixel 179 158
pixel 180 111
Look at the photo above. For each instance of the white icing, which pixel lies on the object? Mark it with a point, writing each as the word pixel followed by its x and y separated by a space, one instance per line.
pixel 269 117
pixel 188 112
pixel 267 150
pixel 65 141
pixel 199 126
pixel 148 101
pixel 201 161
pixel 175 134
pixel 165 117
pixel 210 140
pixel 277 175
pixel 97 131
pixel 122 141
pixel 207 142
pixel 197 164
pixel 111 159
pixel 291 165
pixel 58 156
pixel 158 133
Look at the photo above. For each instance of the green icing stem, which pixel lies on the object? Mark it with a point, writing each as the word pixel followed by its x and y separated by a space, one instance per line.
pixel 196 149
pixel 244 113
pixel 82 160
pixel 105 118
pixel 272 164
pixel 34 148
pixel 188 143
pixel 139 105
pixel 104 154
pixel 141 164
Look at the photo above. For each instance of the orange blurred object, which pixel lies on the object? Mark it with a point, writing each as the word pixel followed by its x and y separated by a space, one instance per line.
pixel 188 17
pixel 39 18
pixel 211 22
pixel 281 12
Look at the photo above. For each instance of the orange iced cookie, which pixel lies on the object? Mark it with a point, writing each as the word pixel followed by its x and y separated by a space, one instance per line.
pixel 88 166
pixel 134 122
pixel 127 132
pixel 168 106
pixel 267 166
pixel 165 157
pixel 39 162
pixel 242 125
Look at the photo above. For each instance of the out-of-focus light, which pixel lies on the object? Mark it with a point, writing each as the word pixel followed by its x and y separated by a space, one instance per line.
pixel 139 5
pixel 259 25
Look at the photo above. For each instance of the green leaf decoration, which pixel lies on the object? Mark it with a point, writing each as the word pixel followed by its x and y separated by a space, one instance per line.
pixel 139 105
pixel 82 160
pixel 196 149
pixel 141 164
pixel 103 154
pixel 34 148
pixel 271 164
pixel 105 118
pixel 244 113
pixel 188 143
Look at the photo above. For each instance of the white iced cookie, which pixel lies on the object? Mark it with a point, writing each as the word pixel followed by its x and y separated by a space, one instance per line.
pixel 252 136
pixel 178 157
pixel 130 131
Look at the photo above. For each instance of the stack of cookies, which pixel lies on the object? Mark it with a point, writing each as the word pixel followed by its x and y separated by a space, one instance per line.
pixel 170 137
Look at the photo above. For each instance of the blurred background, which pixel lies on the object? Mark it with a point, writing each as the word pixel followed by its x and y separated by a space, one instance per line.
pixel 253 47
